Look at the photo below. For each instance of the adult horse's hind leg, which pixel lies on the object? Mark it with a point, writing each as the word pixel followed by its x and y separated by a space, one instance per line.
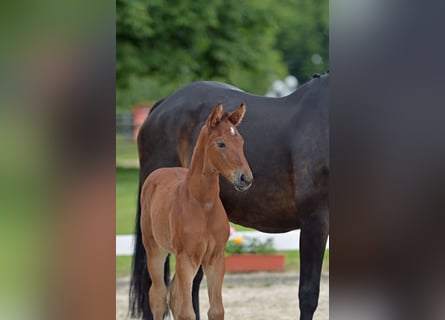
pixel 314 233
pixel 181 288
pixel 214 271
pixel 158 291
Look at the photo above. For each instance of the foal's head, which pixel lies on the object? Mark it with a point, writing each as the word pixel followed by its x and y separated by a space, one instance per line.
pixel 225 147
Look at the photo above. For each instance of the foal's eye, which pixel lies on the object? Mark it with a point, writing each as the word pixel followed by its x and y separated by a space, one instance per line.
pixel 221 144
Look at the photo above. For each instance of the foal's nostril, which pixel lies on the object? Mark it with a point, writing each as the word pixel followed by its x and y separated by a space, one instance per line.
pixel 242 182
pixel 245 180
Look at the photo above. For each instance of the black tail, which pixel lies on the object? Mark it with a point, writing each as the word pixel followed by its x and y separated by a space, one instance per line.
pixel 140 279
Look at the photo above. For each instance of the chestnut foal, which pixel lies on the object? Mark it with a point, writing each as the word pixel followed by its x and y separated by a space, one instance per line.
pixel 182 214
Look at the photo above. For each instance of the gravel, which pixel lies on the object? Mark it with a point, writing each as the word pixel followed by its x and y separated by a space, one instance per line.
pixel 249 296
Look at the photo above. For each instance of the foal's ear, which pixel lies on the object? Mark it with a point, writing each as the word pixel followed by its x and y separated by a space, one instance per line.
pixel 215 116
pixel 236 116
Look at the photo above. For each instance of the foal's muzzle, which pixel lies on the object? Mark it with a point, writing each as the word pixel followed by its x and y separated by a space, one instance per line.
pixel 242 180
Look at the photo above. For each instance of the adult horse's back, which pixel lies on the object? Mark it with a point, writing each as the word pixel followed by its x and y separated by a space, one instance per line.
pixel 287 147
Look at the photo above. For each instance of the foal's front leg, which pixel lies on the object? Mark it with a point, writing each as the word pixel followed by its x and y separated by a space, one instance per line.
pixel 181 291
pixel 214 270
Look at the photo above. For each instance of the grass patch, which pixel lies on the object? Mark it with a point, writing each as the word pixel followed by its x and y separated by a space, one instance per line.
pixel 123 266
pixel 240 228
pixel 126 150
pixel 127 180
pixel 292 260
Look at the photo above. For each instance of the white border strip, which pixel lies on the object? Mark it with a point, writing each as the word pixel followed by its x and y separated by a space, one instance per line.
pixel 282 241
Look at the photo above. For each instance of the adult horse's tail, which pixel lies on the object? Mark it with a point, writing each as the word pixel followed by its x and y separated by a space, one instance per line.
pixel 140 282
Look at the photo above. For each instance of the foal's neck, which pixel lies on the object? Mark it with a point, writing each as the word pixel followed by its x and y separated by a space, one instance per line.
pixel 202 179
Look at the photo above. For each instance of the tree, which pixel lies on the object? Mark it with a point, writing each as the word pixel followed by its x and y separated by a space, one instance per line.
pixel 304 36
pixel 162 45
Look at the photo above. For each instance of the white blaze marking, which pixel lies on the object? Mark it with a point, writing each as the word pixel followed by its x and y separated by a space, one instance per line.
pixel 232 131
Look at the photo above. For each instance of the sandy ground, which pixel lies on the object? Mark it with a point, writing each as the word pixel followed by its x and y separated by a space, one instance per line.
pixel 250 296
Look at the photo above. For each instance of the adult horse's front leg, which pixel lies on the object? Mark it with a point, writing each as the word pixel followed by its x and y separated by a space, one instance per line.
pixel 214 271
pixel 181 288
pixel 313 237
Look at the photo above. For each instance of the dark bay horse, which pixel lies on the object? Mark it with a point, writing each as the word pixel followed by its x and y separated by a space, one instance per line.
pixel 287 147
pixel 182 214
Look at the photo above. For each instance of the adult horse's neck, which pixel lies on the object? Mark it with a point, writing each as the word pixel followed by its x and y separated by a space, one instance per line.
pixel 202 179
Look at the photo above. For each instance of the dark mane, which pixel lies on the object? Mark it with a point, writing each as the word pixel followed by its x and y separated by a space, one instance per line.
pixel 156 104
pixel 319 75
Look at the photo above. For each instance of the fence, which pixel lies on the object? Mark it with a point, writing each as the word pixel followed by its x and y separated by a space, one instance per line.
pixel 128 123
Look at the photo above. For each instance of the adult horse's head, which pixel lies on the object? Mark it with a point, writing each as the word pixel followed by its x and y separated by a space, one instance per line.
pixel 225 147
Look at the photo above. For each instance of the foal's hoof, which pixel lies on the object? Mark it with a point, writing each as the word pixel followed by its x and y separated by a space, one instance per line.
pixel 216 314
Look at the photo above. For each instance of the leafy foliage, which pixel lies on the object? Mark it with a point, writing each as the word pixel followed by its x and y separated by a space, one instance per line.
pixel 163 45
pixel 176 42
pixel 304 32
pixel 240 245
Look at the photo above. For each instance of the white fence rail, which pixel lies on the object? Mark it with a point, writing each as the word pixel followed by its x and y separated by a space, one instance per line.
pixel 282 241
